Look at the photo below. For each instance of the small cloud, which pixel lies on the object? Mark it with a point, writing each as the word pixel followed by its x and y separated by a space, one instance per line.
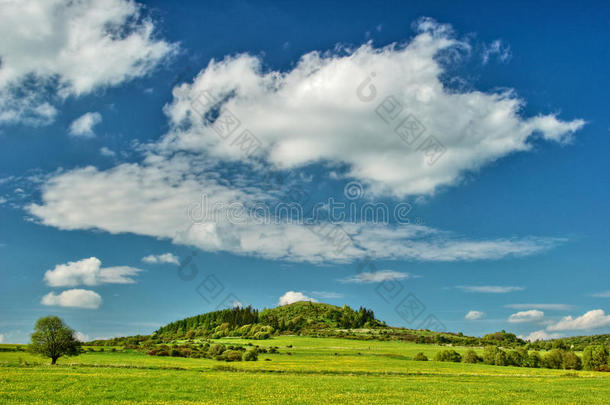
pixel 594 319
pixel 526 316
pixel 488 289
pixel 75 298
pixel 83 126
pixel 474 315
pixel 163 258
pixel 498 48
pixel 377 277
pixel 294 296
pixel 540 335
pixel 550 307
pixel 81 337
pixel 89 272
pixel 104 151
pixel 603 294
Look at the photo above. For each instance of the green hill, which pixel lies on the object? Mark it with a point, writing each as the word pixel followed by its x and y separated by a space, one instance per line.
pixel 297 318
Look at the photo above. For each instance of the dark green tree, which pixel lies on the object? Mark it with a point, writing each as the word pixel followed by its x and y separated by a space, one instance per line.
pixel 53 338
pixel 594 357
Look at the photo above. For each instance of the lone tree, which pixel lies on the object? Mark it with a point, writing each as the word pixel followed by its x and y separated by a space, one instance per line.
pixel 53 338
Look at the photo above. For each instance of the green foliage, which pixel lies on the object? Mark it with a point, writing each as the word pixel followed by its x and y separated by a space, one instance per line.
pixel 595 357
pixel 489 355
pixel 553 359
pixel 420 357
pixel 471 357
pixel 533 360
pixel 232 355
pixel 448 355
pixel 216 350
pixel 53 338
pixel 571 361
pixel 251 355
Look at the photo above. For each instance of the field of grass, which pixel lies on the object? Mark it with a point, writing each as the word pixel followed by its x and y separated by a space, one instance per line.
pixel 317 370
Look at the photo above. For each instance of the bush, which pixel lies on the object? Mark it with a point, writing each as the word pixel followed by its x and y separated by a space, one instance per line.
pixel 420 357
pixel 489 355
pixel 251 355
pixel 501 358
pixel 595 357
pixel 533 360
pixel 216 350
pixel 554 359
pixel 471 357
pixel 232 355
pixel 448 355
pixel 571 361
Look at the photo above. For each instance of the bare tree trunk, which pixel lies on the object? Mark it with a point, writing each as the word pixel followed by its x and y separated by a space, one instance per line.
pixel 53 360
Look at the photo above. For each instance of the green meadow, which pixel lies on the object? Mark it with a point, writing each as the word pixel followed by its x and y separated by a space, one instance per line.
pixel 305 371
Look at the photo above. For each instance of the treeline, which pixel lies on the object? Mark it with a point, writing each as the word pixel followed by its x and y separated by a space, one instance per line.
pixel 577 343
pixel 218 352
pixel 595 357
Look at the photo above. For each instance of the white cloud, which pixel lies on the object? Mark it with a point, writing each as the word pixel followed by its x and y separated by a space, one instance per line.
pixel 104 151
pixel 294 296
pixel 377 276
pixel 603 294
pixel 70 48
pixel 550 307
pixel 313 114
pixel 83 126
pixel 540 335
pixel 308 114
pixel 474 315
pixel 590 320
pixel 532 315
pixel 125 198
pixel 489 289
pixel 89 272
pixel 162 258
pixel 1 338
pixel 75 298
pixel 81 337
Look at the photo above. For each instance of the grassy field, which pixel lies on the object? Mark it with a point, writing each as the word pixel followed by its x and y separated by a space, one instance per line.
pixel 317 370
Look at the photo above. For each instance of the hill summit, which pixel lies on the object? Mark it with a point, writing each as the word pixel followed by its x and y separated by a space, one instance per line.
pixel 296 318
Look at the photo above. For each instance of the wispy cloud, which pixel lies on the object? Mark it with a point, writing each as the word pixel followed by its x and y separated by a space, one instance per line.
pixel 603 294
pixel 376 277
pixel 489 289
pixel 550 307
pixel 326 294
pixel 532 315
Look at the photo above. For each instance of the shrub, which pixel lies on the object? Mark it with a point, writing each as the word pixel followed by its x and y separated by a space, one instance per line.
pixel 501 358
pixel 420 357
pixel 448 355
pixel 251 355
pixel 571 361
pixel 489 355
pixel 216 350
pixel 471 357
pixel 553 359
pixel 595 357
pixel 272 350
pixel 232 355
pixel 533 360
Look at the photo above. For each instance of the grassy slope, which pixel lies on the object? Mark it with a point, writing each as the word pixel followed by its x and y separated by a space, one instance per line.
pixel 381 373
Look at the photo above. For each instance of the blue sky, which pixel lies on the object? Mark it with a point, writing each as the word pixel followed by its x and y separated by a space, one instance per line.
pixel 105 153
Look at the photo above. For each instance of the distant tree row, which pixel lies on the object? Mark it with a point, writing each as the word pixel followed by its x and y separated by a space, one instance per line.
pixel 595 357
